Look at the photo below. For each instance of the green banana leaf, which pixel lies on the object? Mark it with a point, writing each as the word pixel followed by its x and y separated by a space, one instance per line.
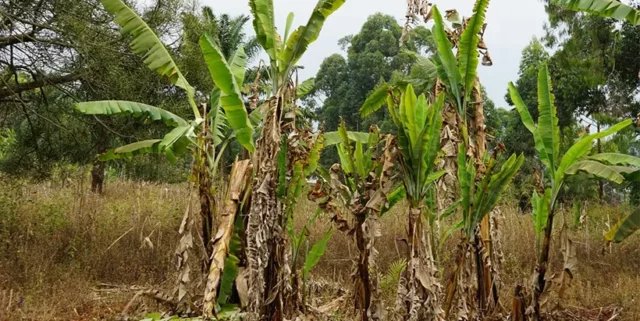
pixel 624 228
pixel 316 252
pixel 497 185
pixel 596 169
pixel 393 198
pixel 548 121
pixel 375 100
pixel 120 107
pixel 231 270
pixel 583 146
pixel 306 87
pixel 264 26
pixel 541 210
pixel 238 65
pixel 146 43
pixel 218 120
pixel 151 146
pixel 333 138
pixel 605 8
pixel 617 159
pixel 231 100
pixel 302 37
pixel 527 120
pixel 445 60
pixel 287 29
pixel 468 46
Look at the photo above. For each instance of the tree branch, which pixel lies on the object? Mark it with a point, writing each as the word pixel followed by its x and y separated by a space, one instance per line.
pixel 16 39
pixel 38 83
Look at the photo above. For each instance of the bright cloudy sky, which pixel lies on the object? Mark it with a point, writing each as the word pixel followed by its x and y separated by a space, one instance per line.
pixel 511 25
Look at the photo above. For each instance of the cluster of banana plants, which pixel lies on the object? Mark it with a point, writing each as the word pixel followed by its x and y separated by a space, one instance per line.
pixel 481 181
pixel 207 135
pixel 271 293
pixel 360 185
pixel 610 166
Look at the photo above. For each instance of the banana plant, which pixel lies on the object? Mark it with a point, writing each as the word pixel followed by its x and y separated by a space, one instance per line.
pixel 481 181
pixel 157 58
pixel 207 136
pixel 546 135
pixel 266 229
pixel 419 123
pixel 605 8
pixel 361 186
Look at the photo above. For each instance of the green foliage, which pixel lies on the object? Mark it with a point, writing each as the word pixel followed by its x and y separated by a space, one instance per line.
pixel 306 87
pixel 624 228
pixel 316 252
pixel 419 125
pixel 116 107
pixel 468 52
pixel 547 137
pixel 264 26
pixel 146 43
pixel 225 78
pixel 597 169
pixel 446 62
pixel 375 101
pixel 231 263
pixel 298 42
pixel 373 57
pixel 606 8
pixel 541 207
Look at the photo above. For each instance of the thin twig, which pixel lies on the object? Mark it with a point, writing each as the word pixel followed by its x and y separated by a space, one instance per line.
pixel 118 239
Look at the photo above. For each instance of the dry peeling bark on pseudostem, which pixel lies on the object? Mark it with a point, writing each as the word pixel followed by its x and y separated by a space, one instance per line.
pixel 240 173
pixel 419 289
pixel 266 246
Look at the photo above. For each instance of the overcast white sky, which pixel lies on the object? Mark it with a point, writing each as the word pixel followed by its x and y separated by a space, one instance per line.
pixel 511 25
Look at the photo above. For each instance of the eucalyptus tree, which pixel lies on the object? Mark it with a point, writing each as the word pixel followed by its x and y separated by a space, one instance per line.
pixel 546 135
pixel 269 287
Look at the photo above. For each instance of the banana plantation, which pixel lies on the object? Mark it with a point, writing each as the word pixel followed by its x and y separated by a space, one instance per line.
pixel 270 183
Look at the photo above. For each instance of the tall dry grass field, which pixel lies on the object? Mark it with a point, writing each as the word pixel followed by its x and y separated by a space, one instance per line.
pixel 67 254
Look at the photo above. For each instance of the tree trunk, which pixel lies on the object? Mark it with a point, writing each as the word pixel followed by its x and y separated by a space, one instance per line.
pixel 97 176
pixel 421 289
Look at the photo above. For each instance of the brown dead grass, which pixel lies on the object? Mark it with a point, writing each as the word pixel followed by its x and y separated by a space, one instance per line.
pixel 59 245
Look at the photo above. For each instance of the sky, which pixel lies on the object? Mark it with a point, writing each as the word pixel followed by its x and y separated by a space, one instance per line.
pixel 511 26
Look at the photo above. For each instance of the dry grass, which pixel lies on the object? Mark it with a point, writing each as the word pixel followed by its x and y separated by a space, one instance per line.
pixel 59 243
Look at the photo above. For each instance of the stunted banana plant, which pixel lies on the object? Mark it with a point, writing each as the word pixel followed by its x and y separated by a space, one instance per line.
pixel 360 186
pixel 206 135
pixel 419 123
pixel 267 250
pixel 481 182
pixel 546 135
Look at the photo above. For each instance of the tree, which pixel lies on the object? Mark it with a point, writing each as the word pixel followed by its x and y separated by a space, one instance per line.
pixel 64 43
pixel 373 55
